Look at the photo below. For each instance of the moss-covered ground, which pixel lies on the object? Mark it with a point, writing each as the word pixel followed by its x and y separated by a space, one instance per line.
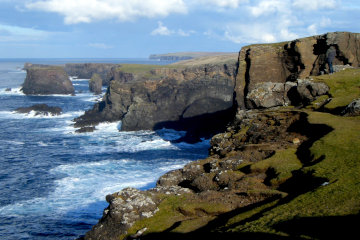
pixel 321 179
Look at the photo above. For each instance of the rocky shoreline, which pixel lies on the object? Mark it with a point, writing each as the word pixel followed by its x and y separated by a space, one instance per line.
pixel 272 164
pixel 284 146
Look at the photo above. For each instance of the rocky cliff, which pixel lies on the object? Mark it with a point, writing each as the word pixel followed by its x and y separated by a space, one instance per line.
pixel 289 61
pixel 86 70
pixel 196 99
pixel 47 80
pixel 279 173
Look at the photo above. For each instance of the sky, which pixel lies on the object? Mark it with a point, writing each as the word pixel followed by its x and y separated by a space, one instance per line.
pixel 138 28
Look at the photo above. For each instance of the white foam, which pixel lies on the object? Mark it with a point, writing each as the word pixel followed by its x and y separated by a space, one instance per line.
pixel 14 91
pixel 13 142
pixel 32 114
pixel 79 79
pixel 87 183
pixel 42 144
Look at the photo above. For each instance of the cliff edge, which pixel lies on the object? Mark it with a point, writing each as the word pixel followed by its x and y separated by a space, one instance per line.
pixel 274 173
pixel 194 98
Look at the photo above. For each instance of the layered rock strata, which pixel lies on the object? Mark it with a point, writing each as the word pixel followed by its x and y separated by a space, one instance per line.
pixel 44 80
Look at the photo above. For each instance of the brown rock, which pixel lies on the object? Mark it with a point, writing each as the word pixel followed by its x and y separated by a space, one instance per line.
pixel 282 62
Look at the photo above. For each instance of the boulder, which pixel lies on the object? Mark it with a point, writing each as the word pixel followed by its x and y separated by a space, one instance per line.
pixel 301 92
pixel 353 109
pixel 95 84
pixel 266 95
pixel 125 208
pixel 306 91
pixel 43 80
pixel 41 109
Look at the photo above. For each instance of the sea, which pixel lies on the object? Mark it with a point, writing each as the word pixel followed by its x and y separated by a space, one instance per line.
pixel 53 181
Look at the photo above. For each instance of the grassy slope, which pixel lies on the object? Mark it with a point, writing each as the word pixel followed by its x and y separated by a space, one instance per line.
pixel 319 212
pixel 340 151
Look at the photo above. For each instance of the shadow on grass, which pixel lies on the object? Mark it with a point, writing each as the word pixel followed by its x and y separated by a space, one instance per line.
pixel 300 183
pixel 330 227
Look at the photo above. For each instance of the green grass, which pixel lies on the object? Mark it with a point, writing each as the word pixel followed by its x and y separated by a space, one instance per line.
pixel 282 163
pixel 179 209
pixel 142 68
pixel 340 151
pixel 344 87
pixel 339 165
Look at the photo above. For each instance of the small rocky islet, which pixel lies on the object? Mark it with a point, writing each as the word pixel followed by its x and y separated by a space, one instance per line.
pixel 284 156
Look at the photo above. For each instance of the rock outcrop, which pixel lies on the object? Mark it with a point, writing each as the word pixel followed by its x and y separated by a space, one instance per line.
pixel 125 208
pixel 298 93
pixel 289 61
pixel 221 181
pixel 41 109
pixel 196 99
pixel 269 167
pixel 86 70
pixel 95 84
pixel 44 80
pixel 353 109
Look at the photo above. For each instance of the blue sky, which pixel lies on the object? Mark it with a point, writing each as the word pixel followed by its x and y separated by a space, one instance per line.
pixel 138 28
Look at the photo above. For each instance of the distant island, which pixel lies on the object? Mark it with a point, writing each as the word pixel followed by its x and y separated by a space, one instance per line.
pixel 184 55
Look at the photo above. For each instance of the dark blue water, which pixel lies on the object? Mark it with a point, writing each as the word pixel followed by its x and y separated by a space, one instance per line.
pixel 53 182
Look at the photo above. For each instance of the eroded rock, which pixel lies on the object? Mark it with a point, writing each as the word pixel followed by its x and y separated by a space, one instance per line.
pixel 95 84
pixel 40 109
pixel 197 99
pixel 125 208
pixel 42 80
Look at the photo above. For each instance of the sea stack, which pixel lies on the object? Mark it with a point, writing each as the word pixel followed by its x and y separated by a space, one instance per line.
pixel 43 80
pixel 95 84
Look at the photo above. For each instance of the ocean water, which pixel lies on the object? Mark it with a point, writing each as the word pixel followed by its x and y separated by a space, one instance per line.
pixel 53 181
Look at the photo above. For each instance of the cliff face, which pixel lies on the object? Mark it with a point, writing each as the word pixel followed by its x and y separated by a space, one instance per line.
pixel 47 80
pixel 186 98
pixel 283 62
pixel 86 70
pixel 267 176
pixel 272 170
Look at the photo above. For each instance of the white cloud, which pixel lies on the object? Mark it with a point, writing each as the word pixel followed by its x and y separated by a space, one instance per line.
pixel 312 29
pixel 86 11
pixel 249 33
pixel 221 3
pixel 9 33
pixel 325 22
pixel 269 6
pixel 100 45
pixel 165 31
pixel 161 30
pixel 314 4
